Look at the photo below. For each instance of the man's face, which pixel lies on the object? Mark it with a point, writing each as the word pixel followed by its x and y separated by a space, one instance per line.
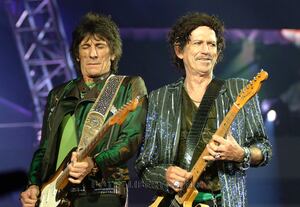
pixel 94 57
pixel 200 53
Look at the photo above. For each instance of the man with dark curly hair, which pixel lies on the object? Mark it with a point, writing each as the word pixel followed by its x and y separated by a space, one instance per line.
pixel 99 179
pixel 184 116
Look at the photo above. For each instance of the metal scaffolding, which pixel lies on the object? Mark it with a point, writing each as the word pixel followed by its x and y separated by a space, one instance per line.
pixel 42 45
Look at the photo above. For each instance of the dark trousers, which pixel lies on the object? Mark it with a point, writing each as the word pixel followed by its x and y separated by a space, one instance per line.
pixel 98 200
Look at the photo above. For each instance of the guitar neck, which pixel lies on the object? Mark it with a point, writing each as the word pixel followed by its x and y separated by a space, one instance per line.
pixel 227 121
pixel 221 131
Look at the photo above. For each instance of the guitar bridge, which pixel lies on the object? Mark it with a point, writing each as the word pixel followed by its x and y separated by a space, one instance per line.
pixel 61 196
pixel 64 203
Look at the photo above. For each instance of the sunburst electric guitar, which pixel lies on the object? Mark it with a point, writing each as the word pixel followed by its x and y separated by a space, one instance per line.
pixel 187 195
pixel 54 192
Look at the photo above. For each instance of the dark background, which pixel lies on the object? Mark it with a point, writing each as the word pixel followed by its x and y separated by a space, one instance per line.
pixel 147 54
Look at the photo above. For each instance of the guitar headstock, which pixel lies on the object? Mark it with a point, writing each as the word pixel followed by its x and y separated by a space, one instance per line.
pixel 120 115
pixel 251 88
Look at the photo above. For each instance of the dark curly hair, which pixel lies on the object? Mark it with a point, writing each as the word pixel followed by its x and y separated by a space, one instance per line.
pixel 101 26
pixel 182 29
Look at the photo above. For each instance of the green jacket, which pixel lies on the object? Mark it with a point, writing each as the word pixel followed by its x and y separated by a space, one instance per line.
pixel 117 146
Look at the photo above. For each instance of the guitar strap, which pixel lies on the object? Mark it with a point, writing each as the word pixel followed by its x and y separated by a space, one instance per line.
pixel 193 139
pixel 100 109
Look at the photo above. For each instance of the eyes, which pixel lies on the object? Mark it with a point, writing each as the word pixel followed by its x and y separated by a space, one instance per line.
pixel 97 45
pixel 210 44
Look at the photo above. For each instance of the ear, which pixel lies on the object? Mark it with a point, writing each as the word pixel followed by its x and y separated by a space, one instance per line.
pixel 218 57
pixel 178 51
pixel 113 57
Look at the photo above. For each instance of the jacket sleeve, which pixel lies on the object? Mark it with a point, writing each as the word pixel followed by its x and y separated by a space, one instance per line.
pixel 150 168
pixel 35 170
pixel 131 131
pixel 254 130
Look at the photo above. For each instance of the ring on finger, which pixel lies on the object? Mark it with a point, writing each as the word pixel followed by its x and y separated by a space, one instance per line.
pixel 176 184
pixel 217 155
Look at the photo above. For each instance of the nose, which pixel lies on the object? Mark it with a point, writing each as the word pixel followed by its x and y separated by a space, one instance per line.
pixel 93 52
pixel 204 48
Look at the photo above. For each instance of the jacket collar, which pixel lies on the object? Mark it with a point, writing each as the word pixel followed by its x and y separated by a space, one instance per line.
pixel 179 84
pixel 79 87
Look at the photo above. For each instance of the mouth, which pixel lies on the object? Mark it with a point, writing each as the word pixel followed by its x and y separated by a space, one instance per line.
pixel 93 64
pixel 204 60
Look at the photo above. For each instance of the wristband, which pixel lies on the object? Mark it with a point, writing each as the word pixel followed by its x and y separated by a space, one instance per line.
pixel 245 164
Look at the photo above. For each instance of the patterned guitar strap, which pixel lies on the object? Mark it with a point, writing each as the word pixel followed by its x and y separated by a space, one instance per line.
pixel 194 145
pixel 100 109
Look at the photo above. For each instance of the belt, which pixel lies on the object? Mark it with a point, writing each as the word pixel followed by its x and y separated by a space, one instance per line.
pixel 118 189
pixel 205 196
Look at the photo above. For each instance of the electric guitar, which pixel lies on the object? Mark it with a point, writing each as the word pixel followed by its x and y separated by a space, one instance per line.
pixel 187 195
pixel 53 192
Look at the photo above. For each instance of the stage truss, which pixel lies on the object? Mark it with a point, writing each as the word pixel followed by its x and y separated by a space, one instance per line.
pixel 42 46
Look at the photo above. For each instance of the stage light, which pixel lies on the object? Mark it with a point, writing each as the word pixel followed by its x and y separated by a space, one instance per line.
pixel 32 73
pixel 271 115
pixel 266 105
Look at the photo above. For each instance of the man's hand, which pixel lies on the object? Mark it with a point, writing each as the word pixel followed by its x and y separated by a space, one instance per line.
pixel 176 177
pixel 29 197
pixel 224 149
pixel 78 170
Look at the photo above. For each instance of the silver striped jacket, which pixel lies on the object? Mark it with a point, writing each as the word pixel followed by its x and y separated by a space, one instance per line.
pixel 160 144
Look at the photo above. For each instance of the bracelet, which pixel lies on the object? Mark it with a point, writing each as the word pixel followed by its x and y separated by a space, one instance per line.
pixel 245 164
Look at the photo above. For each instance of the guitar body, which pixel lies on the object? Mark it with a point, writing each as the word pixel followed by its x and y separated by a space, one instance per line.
pixel 185 201
pixel 53 192
pixel 188 197
pixel 161 201
pixel 49 194
pixel 157 201
pixel 188 202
